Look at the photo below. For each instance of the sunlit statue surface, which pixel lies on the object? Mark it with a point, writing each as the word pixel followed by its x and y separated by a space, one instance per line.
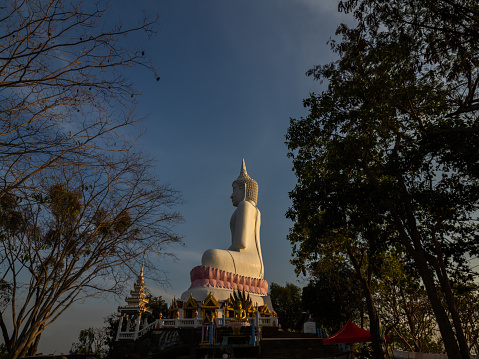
pixel 243 257
pixel 240 267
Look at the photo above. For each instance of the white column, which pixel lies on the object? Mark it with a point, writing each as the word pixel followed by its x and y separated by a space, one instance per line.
pixel 119 328
pixel 137 327
pixel 128 323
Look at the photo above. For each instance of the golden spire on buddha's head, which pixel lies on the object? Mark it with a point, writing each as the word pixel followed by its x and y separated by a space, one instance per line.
pixel 250 185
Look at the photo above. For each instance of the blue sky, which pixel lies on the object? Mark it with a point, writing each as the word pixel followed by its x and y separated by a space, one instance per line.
pixel 232 74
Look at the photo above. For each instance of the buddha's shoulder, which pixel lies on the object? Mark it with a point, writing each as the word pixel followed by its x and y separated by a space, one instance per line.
pixel 246 205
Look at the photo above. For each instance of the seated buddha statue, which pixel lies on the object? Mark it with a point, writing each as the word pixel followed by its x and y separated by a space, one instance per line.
pixel 243 257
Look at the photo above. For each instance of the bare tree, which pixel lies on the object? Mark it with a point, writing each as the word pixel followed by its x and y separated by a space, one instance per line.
pixel 62 92
pixel 79 206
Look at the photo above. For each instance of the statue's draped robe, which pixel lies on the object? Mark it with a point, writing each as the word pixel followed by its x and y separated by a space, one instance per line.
pixel 243 257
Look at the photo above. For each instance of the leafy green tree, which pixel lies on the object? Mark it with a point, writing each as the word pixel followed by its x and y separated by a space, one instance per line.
pixel 111 329
pixel 158 306
pixel 91 341
pixel 467 299
pixel 340 235
pixel 392 146
pixel 405 311
pixel 100 341
pixel 333 296
pixel 77 240
pixel 3 351
pixel 286 303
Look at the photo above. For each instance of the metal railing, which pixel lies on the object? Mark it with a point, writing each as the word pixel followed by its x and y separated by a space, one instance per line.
pixel 187 323
pixel 126 335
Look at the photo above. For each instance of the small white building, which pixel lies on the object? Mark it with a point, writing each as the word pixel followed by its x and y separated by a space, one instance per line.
pixel 134 314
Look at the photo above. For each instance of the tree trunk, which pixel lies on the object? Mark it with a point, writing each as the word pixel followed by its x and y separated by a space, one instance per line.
pixel 441 273
pixel 447 333
pixel 411 239
pixel 374 324
pixel 34 347
pixel 417 253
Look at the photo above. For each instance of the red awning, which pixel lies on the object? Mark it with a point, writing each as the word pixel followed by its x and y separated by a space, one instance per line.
pixel 350 333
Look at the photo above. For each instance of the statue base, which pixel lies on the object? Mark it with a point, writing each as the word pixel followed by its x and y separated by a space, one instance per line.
pixel 202 276
pixel 221 284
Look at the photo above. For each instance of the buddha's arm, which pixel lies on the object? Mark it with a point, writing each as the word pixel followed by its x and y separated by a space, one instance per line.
pixel 244 228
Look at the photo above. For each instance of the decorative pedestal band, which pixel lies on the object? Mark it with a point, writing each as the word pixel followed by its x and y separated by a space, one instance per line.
pixel 202 276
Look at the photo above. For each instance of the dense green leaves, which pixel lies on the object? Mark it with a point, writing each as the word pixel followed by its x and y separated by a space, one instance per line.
pixel 92 341
pixel 406 314
pixel 286 303
pixel 333 296
pixel 158 306
pixel 387 155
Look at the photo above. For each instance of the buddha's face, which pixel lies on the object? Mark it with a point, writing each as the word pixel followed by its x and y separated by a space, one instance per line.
pixel 238 194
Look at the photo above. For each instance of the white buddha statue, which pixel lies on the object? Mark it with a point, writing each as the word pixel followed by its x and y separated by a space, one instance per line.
pixel 243 257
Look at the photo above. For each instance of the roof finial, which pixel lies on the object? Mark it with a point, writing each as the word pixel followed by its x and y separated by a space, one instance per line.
pixel 142 266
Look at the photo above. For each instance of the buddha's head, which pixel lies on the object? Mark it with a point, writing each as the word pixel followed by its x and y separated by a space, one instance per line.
pixel 244 188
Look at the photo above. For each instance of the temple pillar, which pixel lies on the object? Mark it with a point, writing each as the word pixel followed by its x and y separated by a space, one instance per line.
pixel 137 326
pixel 128 323
pixel 119 327
pixel 253 333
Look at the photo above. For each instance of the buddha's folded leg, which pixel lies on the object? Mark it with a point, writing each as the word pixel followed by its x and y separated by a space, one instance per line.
pixel 247 264
pixel 218 258
pixel 241 263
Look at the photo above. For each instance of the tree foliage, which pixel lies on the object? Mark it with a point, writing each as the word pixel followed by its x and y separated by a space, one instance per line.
pixel 158 306
pixel 100 341
pixel 79 204
pixel 405 311
pixel 333 296
pixel 111 328
pixel 91 341
pixel 76 240
pixel 286 303
pixel 388 153
pixel 467 299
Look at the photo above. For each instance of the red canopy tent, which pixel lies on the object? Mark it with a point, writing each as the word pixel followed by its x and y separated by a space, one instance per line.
pixel 350 333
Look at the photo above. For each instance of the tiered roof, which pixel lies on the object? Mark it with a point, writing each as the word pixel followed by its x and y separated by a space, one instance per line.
pixel 137 301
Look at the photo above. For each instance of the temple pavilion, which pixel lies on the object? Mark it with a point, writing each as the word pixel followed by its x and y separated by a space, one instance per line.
pixel 187 314
pixel 134 314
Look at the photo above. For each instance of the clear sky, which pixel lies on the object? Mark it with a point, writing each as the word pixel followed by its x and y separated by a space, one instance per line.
pixel 232 75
